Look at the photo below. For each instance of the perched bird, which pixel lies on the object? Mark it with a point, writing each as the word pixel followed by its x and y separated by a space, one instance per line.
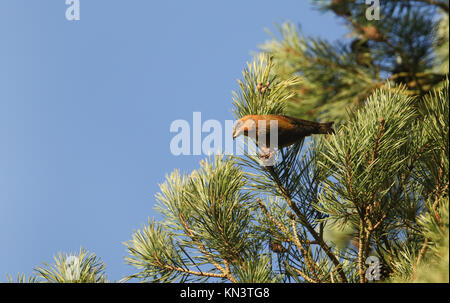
pixel 290 130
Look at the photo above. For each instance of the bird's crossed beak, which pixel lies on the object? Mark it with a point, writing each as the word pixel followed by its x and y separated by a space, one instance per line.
pixel 237 131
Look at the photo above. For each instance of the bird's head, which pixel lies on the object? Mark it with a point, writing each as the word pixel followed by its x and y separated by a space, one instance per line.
pixel 243 126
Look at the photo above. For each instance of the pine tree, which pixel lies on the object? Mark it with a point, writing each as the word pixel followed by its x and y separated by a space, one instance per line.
pixel 369 203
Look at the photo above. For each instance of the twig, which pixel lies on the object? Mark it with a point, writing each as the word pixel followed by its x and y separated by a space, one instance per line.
pixel 422 251
pixel 360 251
pixel 441 5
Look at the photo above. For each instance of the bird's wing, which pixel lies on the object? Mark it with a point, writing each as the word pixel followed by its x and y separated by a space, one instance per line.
pixel 295 122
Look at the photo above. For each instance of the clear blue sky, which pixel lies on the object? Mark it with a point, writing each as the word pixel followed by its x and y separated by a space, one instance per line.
pixel 85 110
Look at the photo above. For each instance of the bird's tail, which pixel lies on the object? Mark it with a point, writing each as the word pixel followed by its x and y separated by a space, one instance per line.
pixel 326 128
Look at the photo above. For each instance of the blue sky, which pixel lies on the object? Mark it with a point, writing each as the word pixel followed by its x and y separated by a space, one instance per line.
pixel 86 106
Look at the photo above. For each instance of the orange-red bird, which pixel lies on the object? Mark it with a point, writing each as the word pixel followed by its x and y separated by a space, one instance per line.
pixel 290 130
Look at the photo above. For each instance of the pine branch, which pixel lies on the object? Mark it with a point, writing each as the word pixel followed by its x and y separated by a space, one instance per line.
pixel 187 271
pixel 441 4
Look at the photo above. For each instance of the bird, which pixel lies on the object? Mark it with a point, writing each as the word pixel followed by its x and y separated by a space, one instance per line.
pixel 290 130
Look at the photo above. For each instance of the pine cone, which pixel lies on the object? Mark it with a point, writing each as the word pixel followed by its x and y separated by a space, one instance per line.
pixel 277 247
pixel 362 52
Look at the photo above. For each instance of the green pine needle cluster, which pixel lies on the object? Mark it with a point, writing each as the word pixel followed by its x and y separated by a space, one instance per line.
pixel 207 230
pixel 83 267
